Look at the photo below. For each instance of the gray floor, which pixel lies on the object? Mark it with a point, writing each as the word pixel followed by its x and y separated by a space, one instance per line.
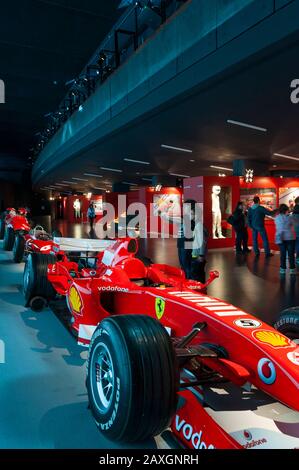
pixel 42 392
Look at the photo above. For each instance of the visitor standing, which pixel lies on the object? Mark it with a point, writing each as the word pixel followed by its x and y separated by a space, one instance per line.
pixel 295 216
pixel 91 214
pixel 240 227
pixel 285 238
pixel 256 221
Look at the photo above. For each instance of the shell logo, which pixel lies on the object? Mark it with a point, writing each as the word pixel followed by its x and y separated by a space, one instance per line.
pixel 75 300
pixel 272 338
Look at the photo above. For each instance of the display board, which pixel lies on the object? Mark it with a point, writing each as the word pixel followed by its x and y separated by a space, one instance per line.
pixel 288 195
pixel 267 197
pixel 169 204
pixel 98 205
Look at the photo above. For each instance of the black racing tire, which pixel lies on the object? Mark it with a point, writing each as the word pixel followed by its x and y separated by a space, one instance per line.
pixel 2 228
pixel 18 248
pixel 288 323
pixel 9 239
pixel 143 371
pixel 35 280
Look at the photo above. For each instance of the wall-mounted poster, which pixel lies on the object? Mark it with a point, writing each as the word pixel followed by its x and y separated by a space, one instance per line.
pixel 267 197
pixel 288 195
pixel 169 204
pixel 98 205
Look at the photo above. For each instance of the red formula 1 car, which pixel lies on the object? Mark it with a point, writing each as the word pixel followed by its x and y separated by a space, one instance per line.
pixel 164 355
pixel 36 240
pixel 13 223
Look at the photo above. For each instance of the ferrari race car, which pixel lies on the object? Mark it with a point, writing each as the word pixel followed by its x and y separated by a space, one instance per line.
pixel 36 240
pixel 12 223
pixel 165 358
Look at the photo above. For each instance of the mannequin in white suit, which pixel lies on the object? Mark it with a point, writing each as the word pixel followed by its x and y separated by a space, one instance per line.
pixel 216 212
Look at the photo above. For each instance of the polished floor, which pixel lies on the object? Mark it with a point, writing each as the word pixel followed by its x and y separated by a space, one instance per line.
pixel 42 391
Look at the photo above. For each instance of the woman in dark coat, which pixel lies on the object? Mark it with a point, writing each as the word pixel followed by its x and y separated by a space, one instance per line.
pixel 240 227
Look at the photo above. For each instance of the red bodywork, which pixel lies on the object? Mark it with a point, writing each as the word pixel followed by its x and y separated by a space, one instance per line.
pixel 257 354
pixel 18 221
pixel 46 247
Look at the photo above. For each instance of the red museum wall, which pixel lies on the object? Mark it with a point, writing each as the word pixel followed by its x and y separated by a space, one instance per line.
pixel 200 189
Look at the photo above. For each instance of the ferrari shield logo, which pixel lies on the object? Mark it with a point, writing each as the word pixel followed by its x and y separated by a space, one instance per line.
pixel 160 307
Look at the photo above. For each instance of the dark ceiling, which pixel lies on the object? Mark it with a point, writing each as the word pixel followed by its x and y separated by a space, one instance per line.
pixel 258 94
pixel 43 44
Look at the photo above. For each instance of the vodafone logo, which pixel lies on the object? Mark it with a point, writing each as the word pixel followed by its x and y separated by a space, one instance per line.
pixel 195 437
pixel 266 371
pixel 294 357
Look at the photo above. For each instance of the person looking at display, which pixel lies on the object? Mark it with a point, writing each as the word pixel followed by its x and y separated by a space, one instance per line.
pixel 285 238
pixel 199 253
pixel 91 214
pixel 240 227
pixel 256 221
pixel 295 217
pixel 185 238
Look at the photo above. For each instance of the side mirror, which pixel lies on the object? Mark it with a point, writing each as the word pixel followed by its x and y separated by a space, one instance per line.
pixel 214 275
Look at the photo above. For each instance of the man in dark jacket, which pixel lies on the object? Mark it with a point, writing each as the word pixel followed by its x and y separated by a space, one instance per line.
pixel 256 221
pixel 295 216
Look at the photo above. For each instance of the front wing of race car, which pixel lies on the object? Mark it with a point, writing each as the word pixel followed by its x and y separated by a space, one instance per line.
pixel 224 416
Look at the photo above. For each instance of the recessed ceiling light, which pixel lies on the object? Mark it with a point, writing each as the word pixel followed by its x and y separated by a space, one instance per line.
pixel 289 157
pixel 79 179
pixel 111 169
pixel 137 172
pixel 179 176
pixel 179 149
pixel 245 124
pixel 61 184
pixel 147 179
pixel 130 184
pixel 69 182
pixel 274 166
pixel 192 161
pixel 136 161
pixel 101 189
pixel 216 167
pixel 95 175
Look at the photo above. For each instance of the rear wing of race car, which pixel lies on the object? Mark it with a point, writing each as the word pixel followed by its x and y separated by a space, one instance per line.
pixel 82 245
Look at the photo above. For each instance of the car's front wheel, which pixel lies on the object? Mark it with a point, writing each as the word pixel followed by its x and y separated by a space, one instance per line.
pixel 35 280
pixel 9 239
pixel 18 248
pixel 132 378
pixel 2 227
pixel 288 323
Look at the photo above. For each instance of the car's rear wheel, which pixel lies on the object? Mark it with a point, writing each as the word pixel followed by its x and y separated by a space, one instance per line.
pixel 2 228
pixel 35 281
pixel 132 378
pixel 18 248
pixel 9 239
pixel 288 323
